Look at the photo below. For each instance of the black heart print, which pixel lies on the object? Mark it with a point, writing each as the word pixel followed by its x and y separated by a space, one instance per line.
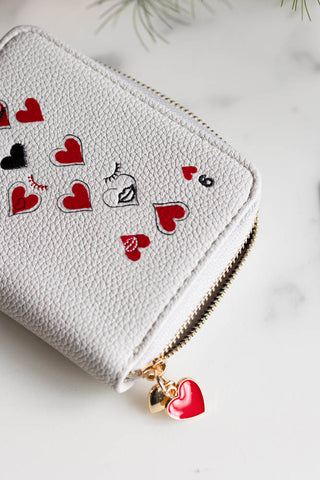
pixel 16 158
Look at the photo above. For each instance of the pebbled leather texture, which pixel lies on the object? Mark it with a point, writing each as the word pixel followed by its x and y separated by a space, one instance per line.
pixel 65 275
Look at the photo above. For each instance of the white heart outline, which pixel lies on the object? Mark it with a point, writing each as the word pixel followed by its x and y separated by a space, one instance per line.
pixel 53 153
pixel 10 191
pixel 62 197
pixel 159 226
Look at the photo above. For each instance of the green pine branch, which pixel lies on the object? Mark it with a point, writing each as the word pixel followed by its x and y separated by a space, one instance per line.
pixel 148 15
pixel 301 5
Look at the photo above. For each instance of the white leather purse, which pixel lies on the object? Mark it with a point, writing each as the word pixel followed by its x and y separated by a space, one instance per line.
pixel 123 217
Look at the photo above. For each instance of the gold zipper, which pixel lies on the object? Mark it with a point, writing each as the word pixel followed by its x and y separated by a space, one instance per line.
pixel 169 395
pixel 184 399
pixel 212 297
pixel 208 303
pixel 166 98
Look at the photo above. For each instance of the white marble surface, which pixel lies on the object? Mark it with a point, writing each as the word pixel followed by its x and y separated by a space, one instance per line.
pixel 253 73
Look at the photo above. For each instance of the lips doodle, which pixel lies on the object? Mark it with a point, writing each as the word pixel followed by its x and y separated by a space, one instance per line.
pixel 122 192
pixel 120 189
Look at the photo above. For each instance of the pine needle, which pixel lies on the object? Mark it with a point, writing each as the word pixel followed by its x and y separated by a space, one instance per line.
pixel 149 15
pixel 303 6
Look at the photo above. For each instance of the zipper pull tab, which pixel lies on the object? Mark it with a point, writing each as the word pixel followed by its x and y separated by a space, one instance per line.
pixel 181 400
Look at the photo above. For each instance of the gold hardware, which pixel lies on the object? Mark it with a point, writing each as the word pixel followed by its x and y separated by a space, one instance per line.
pixel 164 390
pixel 168 387
pixel 202 312
pixel 153 370
pixel 157 400
pixel 209 302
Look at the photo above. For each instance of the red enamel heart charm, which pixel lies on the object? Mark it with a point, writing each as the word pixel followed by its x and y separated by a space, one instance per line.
pixel 79 200
pixel 32 113
pixel 20 202
pixel 132 243
pixel 168 213
pixel 188 172
pixel 4 117
pixel 72 155
pixel 189 401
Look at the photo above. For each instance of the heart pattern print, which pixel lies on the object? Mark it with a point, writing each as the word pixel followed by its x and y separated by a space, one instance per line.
pixel 167 214
pixel 121 187
pixel 132 245
pixel 72 154
pixel 19 202
pixel 188 172
pixel 16 159
pixel 78 200
pixel 4 115
pixel 121 191
pixel 32 113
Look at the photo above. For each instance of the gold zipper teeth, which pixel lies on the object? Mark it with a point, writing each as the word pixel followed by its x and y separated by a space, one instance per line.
pixel 222 285
pixel 168 99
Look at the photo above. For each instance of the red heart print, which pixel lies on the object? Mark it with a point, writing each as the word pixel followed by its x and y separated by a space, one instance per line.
pixel 132 243
pixel 72 155
pixel 4 118
pixel 19 202
pixel 32 114
pixel 168 213
pixel 78 201
pixel 188 172
pixel 189 402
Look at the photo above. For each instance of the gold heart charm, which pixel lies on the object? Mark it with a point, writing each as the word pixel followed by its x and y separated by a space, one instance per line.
pixel 157 399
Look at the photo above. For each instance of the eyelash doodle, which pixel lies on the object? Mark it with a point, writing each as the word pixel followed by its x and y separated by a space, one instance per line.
pixel 121 188
pixel 122 191
pixel 36 185
pixel 115 174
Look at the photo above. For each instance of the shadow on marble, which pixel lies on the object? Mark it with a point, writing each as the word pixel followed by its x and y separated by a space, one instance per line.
pixel 51 371
pixel 21 347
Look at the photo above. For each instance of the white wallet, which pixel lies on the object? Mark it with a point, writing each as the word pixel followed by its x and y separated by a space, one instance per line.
pixel 123 217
